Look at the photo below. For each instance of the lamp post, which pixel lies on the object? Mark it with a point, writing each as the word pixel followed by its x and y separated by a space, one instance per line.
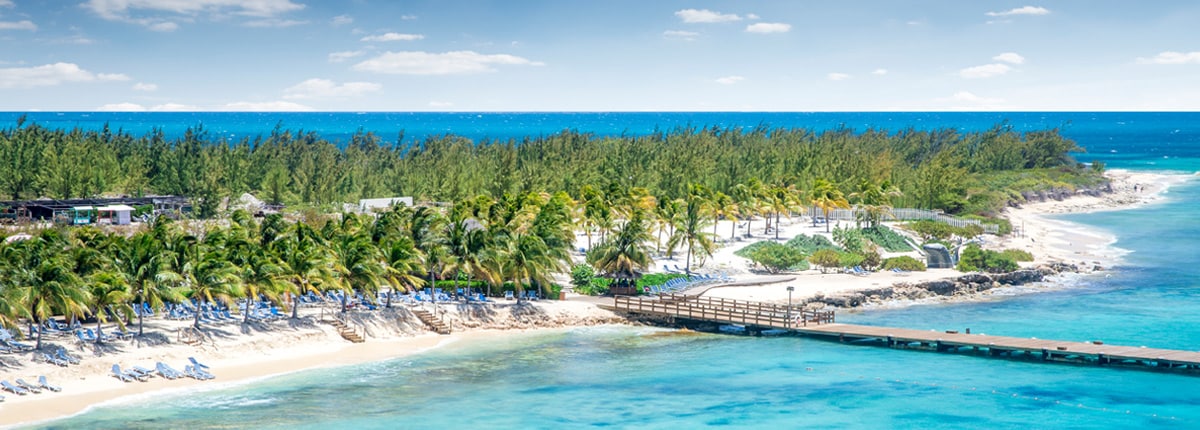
pixel 789 308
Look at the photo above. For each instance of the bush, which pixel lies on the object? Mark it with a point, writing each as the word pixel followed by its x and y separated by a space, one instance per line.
pixel 810 244
pixel 976 259
pixel 930 230
pixel 1017 255
pixel 904 262
pixel 596 287
pixel 581 275
pixel 850 259
pixel 850 239
pixel 871 258
pixel 778 258
pixel 886 238
pixel 824 259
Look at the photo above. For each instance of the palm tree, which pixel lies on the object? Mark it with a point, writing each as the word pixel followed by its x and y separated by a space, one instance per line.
pixel 47 284
pixel 690 231
pixel 306 262
pixel 826 196
pixel 142 260
pixel 724 206
pixel 625 252
pixel 356 265
pixel 874 199
pixel 211 277
pixel 400 261
pixel 525 259
pixel 109 291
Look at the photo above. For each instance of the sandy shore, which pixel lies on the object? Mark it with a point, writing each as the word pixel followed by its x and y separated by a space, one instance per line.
pixel 1050 240
pixel 240 353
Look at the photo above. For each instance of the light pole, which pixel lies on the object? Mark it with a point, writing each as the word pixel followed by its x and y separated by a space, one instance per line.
pixel 789 308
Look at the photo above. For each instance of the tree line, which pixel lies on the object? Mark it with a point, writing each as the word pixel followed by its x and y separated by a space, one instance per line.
pixel 958 172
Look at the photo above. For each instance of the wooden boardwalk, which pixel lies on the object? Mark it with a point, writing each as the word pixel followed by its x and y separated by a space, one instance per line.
pixel 756 317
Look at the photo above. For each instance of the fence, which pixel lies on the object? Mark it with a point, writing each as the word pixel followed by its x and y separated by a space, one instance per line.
pixel 905 214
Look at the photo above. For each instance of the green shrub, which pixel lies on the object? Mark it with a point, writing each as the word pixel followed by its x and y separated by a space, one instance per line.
pixel 810 244
pixel 1017 255
pixel 824 259
pixel 850 259
pixel 871 258
pixel 581 275
pixel 596 287
pixel 849 239
pixel 904 262
pixel 975 259
pixel 778 258
pixel 930 230
pixel 748 250
pixel 886 238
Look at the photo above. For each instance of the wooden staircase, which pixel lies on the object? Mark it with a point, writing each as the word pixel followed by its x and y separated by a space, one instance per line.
pixel 437 325
pixel 347 332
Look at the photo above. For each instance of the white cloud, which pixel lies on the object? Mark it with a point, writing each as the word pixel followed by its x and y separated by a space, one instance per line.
pixel 730 80
pixel 175 107
pixel 338 57
pixel 164 27
pixel 1172 57
pixel 122 107
pixel 141 86
pixel 391 37
pixel 1024 10
pixel 837 76
pixel 880 72
pixel 969 98
pixel 274 23
pixel 148 13
pixel 278 106
pixel 342 20
pixel 985 71
pixel 1010 57
pixel 680 34
pixel 24 24
pixel 694 16
pixel 326 89
pixel 51 75
pixel 6 3
pixel 447 63
pixel 751 16
pixel 768 27
pixel 408 17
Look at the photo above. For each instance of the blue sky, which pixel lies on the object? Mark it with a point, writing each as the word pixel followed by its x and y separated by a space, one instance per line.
pixel 611 55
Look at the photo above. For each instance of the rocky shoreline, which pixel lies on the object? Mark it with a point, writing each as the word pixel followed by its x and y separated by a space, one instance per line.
pixel 965 287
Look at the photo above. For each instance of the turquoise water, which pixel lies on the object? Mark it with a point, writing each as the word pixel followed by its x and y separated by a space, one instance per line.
pixel 623 377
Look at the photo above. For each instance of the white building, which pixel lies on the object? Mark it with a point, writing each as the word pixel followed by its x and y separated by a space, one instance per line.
pixel 117 214
pixel 372 205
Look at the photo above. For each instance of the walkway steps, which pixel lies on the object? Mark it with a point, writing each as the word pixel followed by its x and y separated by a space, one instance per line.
pixel 433 322
pixel 347 333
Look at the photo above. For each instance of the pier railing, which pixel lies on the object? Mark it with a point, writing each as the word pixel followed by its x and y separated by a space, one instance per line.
pixel 719 310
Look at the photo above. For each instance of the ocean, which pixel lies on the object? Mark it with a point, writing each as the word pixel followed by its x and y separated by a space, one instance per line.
pixel 626 377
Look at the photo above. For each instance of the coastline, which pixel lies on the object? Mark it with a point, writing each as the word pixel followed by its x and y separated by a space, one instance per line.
pixel 241 354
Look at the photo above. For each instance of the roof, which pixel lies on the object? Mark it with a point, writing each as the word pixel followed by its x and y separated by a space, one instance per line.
pixel 116 208
pixel 83 208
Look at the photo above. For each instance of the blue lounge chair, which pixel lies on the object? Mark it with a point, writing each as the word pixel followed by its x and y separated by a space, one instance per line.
pixel 167 371
pixel 13 388
pixel 122 376
pixel 197 364
pixel 508 295
pixel 51 359
pixel 46 385
pixel 62 355
pixel 32 388
pixel 144 372
pixel 196 373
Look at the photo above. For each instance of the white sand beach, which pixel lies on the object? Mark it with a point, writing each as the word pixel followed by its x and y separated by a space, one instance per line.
pixel 239 353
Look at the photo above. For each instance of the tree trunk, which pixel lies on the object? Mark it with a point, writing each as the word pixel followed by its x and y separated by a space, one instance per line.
pixel 776 225
pixel 99 330
pixel 139 314
pixel 196 321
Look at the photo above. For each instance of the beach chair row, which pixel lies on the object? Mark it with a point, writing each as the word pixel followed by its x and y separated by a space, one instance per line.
pixel 682 284
pixel 525 295
pixel 22 388
pixel 60 358
pixel 194 370
pixel 9 344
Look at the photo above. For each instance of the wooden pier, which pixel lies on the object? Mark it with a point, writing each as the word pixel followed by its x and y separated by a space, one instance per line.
pixel 757 317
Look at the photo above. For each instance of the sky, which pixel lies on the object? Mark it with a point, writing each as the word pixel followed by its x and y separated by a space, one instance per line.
pixel 598 55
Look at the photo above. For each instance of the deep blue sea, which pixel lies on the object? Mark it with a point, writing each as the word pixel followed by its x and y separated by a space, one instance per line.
pixel 622 377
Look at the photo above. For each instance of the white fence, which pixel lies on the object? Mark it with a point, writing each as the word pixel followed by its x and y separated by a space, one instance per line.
pixel 906 214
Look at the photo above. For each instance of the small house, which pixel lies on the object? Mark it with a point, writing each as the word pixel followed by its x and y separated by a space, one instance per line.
pixel 116 214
